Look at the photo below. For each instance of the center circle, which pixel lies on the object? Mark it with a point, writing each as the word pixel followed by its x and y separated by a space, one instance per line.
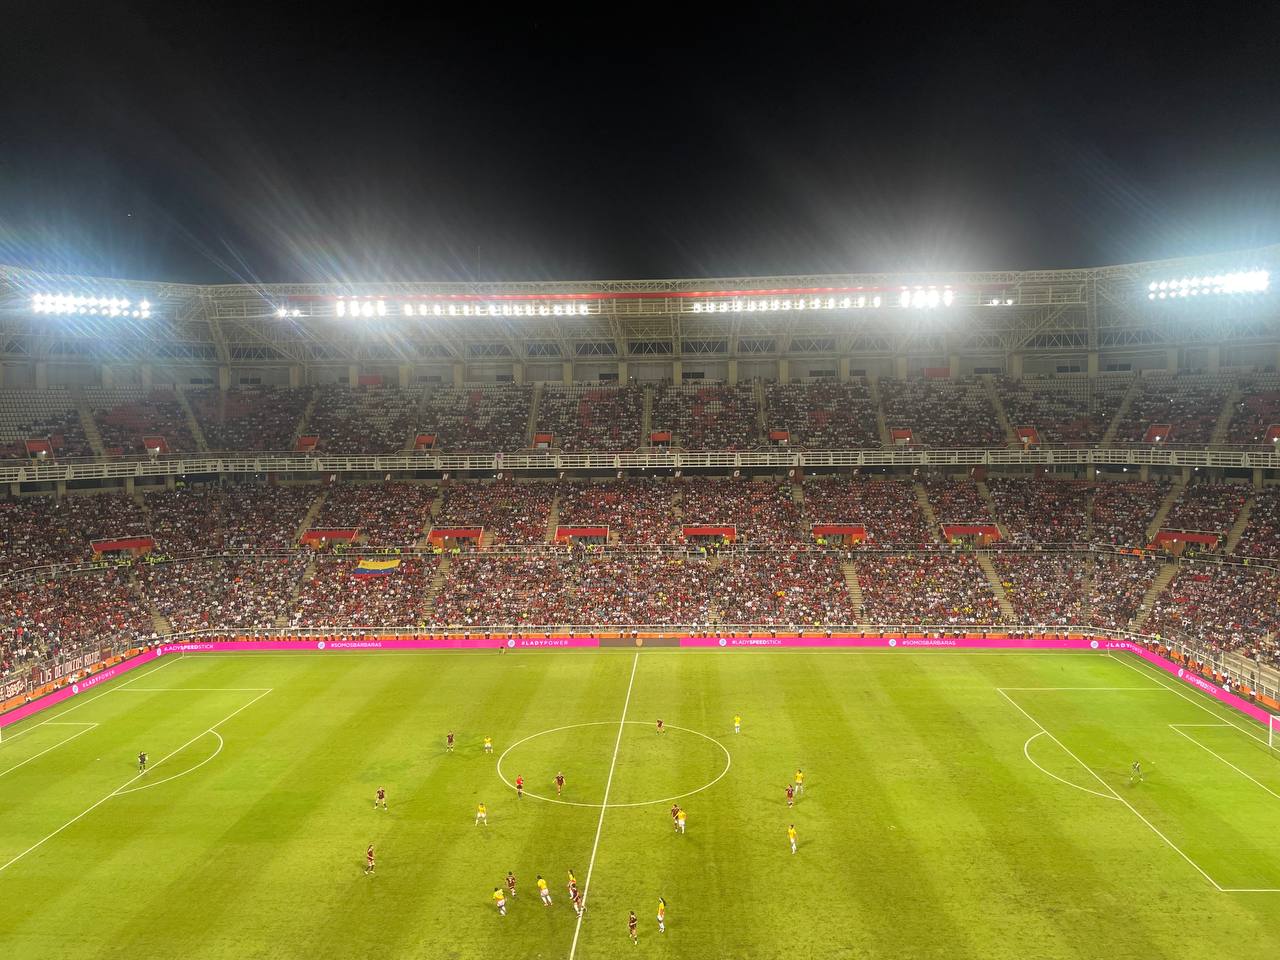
pixel 549 759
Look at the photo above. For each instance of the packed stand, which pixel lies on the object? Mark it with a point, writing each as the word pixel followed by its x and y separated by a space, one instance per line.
pixel 1261 538
pixel 1256 412
pixel 1189 403
pixel 368 420
pixel 335 597
pixel 636 510
pixel 48 415
pixel 925 588
pixel 1072 409
pixel 40 530
pixel 1227 606
pixel 222 593
pixel 1041 509
pixel 942 413
pixel 762 512
pixel 235 519
pixel 510 512
pixel 1122 512
pixel 1206 508
pixel 503 589
pixel 386 514
pixel 585 417
pixel 887 507
pixel 74 613
pixel 127 415
pixel 707 416
pixel 484 418
pixel 823 414
pixel 1042 588
pixel 1120 582
pixel 957 501
pixel 801 589
pixel 660 590
pixel 250 418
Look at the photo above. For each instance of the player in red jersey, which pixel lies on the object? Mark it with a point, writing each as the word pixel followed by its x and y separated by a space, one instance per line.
pixel 448 742
pixel 519 787
pixel 661 728
pixel 368 860
pixel 511 884
pixel 632 923
pixel 380 798
pixel 559 783
pixel 675 812
pixel 577 901
pixel 791 795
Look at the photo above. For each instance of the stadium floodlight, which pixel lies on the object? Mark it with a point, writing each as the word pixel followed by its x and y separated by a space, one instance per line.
pixel 1232 283
pixel 66 304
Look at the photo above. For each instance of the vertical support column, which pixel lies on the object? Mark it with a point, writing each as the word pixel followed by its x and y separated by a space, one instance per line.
pixel 900 368
pixel 1144 472
pixel 1 374
pixel 953 362
pixel 128 486
pixel 566 372
pixel 517 371
pixel 59 489
pixel 42 375
pixel 1015 365
pixel 404 374
pixel 622 371
pixel 732 375
pixel 1257 478
pixel 144 372
pixel 842 369
pixel 224 378
pixel 677 371
pixel 459 374
pixel 296 375
pixel 1171 360
pixel 170 481
pixel 1092 363
pixel 1215 358
pixel 784 370
pixel 353 375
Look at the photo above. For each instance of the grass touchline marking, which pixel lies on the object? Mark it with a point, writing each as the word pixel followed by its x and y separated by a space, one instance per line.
pixel 87 728
pixel 1174 727
pixel 1154 829
pixel 1106 689
pixel 198 690
pixel 604 805
pixel 1199 703
pixel 130 782
pixel 1025 752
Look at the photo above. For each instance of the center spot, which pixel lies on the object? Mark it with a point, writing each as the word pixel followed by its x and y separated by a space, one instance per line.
pixel 650 767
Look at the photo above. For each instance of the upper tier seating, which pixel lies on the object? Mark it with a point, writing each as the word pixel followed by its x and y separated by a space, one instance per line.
pixel 823 414
pixel 126 415
pixel 591 417
pixel 707 416
pixel 250 417
pixel 886 506
pixel 1257 410
pixel 363 419
pixel 1189 403
pixel 1261 536
pixel 41 415
pixel 942 413
pixel 1066 409
pixel 479 418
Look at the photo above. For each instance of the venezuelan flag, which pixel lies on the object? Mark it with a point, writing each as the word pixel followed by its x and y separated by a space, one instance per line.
pixel 375 568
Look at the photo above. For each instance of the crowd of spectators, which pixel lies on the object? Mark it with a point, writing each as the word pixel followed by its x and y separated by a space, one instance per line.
pixel 636 509
pixel 126 415
pixel 367 420
pixel 957 501
pixel 73 613
pixel 659 590
pixel 334 596
pixel 1206 508
pixel 386 514
pixel 925 588
pixel 942 412
pixel 1122 511
pixel 41 530
pixel 1229 606
pixel 1071 409
pixel 510 512
pixel 762 512
pixel 1261 537
pixel 887 507
pixel 801 589
pixel 589 417
pixel 217 593
pixel 1042 588
pixel 823 414
pixel 1041 509
pixel 250 418
pixel 236 519
pixel 483 418
pixel 48 415
pixel 1119 584
pixel 1256 411
pixel 505 589
pixel 1189 403
pixel 707 416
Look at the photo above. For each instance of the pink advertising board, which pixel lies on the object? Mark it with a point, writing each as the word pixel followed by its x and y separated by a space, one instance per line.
pixel 75 689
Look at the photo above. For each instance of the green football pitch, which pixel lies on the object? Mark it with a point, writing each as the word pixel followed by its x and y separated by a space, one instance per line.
pixel 955 805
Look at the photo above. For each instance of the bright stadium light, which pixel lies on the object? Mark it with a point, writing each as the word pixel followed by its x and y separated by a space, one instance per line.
pixel 66 304
pixel 1233 283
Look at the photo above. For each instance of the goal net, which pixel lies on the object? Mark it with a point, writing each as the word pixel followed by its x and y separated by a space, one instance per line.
pixel 1273 732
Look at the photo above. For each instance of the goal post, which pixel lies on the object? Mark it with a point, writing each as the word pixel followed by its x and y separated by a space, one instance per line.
pixel 1273 732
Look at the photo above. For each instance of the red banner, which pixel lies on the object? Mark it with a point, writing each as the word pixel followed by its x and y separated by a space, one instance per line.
pixel 854 530
pixel 1185 536
pixel 440 534
pixel 424 441
pixel 306 444
pixel 326 536
pixel 122 543
pixel 988 530
pixel 1157 432
pixel 700 531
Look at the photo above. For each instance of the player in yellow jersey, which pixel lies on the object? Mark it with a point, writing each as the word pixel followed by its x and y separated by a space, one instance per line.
pixel 500 899
pixel 543 891
pixel 482 815
pixel 662 915
pixel 488 744
pixel 791 835
pixel 737 723
pixel 680 820
pixel 799 783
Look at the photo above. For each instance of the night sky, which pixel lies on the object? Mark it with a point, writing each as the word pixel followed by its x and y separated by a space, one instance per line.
pixel 202 144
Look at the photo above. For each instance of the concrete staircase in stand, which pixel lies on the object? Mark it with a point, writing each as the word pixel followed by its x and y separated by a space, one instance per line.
pixel 1237 529
pixel 553 519
pixel 997 586
pixel 931 518
pixel 532 425
pixel 283 619
pixel 882 425
pixel 1219 435
pixel 312 512
pixel 1121 412
pixel 985 492
pixel 439 579
pixel 855 589
pixel 91 432
pixel 1149 598
pixel 646 417
pixel 993 395
pixel 1165 506
pixel 159 623
pixel 301 430
pixel 192 423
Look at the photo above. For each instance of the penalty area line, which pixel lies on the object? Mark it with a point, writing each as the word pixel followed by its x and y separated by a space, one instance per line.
pixel 69 723
pixel 604 805
pixel 1175 728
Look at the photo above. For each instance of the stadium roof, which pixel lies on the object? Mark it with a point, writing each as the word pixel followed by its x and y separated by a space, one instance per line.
pixel 89 319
